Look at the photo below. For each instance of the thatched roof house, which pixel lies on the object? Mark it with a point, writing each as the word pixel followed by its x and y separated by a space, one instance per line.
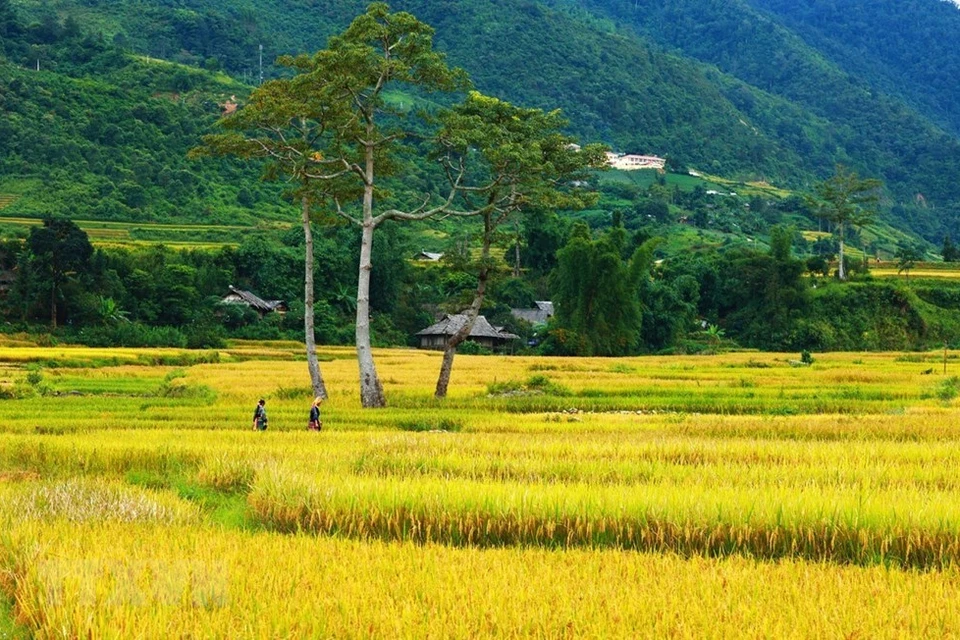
pixel 429 256
pixel 483 333
pixel 261 306
pixel 538 315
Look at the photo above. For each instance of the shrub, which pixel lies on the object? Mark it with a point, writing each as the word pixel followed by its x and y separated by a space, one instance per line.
pixel 471 348
pixel 132 334
pixel 426 424
pixel 948 389
pixel 205 336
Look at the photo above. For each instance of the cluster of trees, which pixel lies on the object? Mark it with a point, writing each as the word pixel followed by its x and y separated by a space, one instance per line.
pixel 154 296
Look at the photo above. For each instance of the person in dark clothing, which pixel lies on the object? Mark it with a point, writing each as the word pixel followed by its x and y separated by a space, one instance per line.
pixel 260 416
pixel 315 424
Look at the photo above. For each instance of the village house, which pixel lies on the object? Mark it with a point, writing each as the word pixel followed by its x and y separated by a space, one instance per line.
pixel 483 333
pixel 261 306
pixel 540 314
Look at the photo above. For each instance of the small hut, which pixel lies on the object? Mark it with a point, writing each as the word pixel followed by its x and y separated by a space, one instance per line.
pixel 483 333
pixel 429 256
pixel 258 304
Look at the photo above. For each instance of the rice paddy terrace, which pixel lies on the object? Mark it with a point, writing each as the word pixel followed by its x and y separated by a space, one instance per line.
pixel 711 496
pixel 126 234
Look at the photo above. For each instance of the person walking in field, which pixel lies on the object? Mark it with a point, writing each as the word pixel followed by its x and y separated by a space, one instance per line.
pixel 260 416
pixel 315 424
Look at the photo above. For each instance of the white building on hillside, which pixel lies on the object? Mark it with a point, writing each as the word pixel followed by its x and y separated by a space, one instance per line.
pixel 633 162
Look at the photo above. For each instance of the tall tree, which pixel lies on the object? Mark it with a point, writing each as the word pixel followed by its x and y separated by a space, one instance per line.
pixel 60 249
pixel 907 258
pixel 950 251
pixel 846 199
pixel 523 162
pixel 378 52
pixel 346 137
pixel 287 125
pixel 596 292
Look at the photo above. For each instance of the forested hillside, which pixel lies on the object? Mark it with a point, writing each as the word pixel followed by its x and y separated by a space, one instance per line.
pixel 907 48
pixel 876 132
pixel 100 134
pixel 101 101
pixel 781 110
pixel 736 92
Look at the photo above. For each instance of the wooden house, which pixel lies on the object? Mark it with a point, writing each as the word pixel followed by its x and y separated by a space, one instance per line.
pixel 483 333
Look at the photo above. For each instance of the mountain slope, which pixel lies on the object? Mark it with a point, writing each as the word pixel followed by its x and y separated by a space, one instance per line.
pixel 877 133
pixel 907 48
pixel 740 94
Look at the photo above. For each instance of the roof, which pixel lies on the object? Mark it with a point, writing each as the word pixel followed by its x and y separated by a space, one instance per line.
pixel 541 313
pixel 427 255
pixel 255 301
pixel 451 323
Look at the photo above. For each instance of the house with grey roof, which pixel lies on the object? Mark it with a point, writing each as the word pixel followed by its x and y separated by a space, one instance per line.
pixel 540 314
pixel 258 304
pixel 483 333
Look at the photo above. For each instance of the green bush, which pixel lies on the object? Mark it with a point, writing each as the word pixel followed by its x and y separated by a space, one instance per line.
pixel 471 348
pixel 425 424
pixel 132 334
pixel 948 389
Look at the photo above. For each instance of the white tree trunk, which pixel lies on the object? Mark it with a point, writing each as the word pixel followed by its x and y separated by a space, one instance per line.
pixel 371 390
pixel 313 365
pixel 841 271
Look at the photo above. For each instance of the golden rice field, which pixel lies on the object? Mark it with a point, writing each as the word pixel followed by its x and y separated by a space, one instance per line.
pixel 721 496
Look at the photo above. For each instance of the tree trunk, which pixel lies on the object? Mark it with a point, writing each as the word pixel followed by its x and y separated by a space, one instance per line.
pixel 516 254
pixel 53 305
pixel 841 272
pixel 450 349
pixel 371 390
pixel 316 378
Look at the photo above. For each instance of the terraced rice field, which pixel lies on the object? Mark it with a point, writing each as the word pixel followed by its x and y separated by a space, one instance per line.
pixel 126 234
pixel 715 496
pixel 925 270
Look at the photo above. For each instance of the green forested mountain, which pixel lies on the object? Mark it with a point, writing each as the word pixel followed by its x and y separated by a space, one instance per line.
pixel 100 102
pixel 880 133
pixel 97 133
pixel 906 48
pixel 752 90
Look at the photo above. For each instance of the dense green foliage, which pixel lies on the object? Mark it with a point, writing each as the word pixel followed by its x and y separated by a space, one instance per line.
pixel 102 130
pixel 102 135
pixel 907 48
pixel 778 108
pixel 874 132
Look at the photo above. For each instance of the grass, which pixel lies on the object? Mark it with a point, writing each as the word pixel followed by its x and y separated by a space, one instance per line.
pixel 9 628
pixel 684 496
